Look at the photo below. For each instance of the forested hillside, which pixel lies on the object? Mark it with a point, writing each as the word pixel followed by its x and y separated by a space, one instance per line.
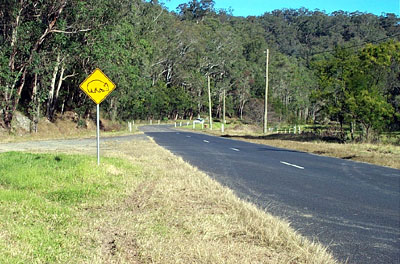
pixel 343 67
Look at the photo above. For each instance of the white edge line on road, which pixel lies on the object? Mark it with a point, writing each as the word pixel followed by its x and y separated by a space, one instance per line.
pixel 293 165
pixel 206 141
pixel 234 149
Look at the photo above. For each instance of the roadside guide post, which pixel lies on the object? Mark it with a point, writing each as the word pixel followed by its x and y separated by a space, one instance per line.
pixel 97 86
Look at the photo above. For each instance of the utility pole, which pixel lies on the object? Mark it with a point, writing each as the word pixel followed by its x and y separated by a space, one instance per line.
pixel 209 100
pixel 223 113
pixel 223 109
pixel 266 95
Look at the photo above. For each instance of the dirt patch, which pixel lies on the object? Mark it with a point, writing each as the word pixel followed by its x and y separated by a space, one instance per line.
pixel 118 246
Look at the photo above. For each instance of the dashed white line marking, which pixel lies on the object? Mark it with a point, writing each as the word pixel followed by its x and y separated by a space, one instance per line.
pixel 235 149
pixel 293 165
pixel 206 141
pixel 188 136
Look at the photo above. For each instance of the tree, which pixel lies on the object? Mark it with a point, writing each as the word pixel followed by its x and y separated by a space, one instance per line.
pixel 196 9
pixel 353 86
pixel 39 21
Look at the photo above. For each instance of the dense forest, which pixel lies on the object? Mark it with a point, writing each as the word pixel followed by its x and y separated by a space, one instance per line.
pixel 341 67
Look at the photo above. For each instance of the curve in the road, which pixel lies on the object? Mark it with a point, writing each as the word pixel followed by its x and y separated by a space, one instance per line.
pixel 349 206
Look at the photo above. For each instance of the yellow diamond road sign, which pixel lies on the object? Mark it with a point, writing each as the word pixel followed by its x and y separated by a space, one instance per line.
pixel 97 86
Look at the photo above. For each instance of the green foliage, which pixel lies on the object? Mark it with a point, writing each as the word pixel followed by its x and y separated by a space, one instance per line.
pixel 354 87
pixel 160 60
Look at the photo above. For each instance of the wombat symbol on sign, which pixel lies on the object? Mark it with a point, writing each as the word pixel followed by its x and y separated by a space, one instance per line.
pixel 97 86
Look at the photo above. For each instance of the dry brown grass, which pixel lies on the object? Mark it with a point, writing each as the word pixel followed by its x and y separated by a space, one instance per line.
pixel 178 214
pixel 62 129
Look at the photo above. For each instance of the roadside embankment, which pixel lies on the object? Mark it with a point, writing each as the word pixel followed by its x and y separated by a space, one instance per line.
pixel 141 205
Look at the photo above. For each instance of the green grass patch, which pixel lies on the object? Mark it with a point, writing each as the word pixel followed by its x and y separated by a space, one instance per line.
pixel 42 197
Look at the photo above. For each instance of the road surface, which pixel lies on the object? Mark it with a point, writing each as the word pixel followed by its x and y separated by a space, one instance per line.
pixel 89 145
pixel 351 207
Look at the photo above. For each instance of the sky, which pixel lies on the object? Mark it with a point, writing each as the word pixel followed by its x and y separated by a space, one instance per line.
pixel 259 7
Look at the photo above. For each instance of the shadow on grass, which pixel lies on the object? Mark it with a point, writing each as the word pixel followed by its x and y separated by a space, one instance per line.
pixel 305 137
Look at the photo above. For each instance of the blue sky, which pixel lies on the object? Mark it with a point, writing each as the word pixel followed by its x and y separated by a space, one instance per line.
pixel 259 7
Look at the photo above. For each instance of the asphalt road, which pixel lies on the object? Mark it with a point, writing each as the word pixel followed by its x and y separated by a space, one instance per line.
pixel 354 208
pixel 86 144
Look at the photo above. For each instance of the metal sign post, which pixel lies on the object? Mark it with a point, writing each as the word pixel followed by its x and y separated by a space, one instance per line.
pixel 97 86
pixel 98 133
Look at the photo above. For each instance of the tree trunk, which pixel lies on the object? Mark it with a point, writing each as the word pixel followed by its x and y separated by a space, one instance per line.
pixel 6 118
pixel 50 99
pixel 342 134
pixel 367 132
pixel 54 103
pixel 352 127
pixel 199 105
pixel 241 107
pixel 36 105
pixel 114 108
pixel 306 114
pixel 14 39
pixel 219 107
pixel 16 98
pixel 59 84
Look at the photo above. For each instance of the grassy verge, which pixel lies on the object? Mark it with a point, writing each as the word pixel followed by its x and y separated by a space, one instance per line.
pixel 142 205
pixel 43 198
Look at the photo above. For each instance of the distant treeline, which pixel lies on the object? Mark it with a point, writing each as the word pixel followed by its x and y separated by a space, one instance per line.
pixel 343 67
